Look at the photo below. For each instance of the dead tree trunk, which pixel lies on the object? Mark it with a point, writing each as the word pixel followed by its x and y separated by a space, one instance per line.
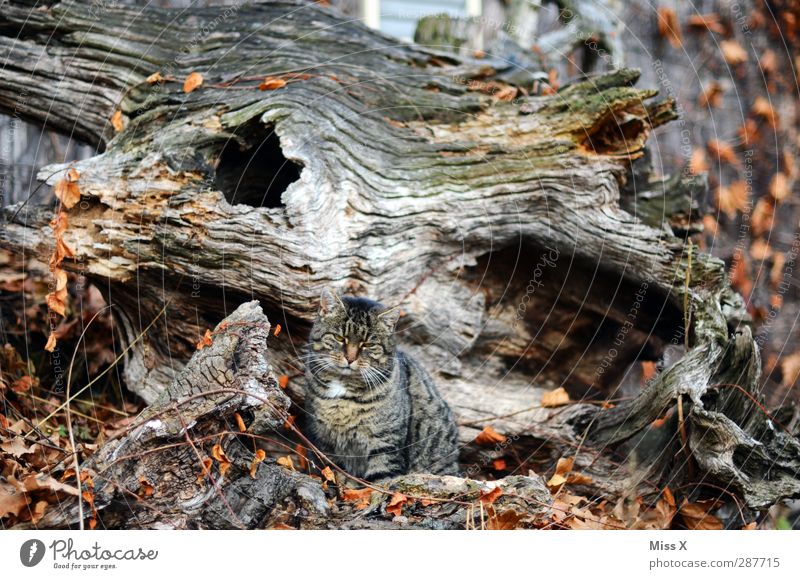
pixel 524 236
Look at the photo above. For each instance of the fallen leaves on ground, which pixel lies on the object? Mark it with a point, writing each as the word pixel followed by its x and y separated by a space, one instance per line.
pixel 554 398
pixel 564 475
pixel 489 436
pixel 192 82
pixel 286 462
pixel 272 83
pixel 359 496
pixel 696 517
pixel 732 52
pixel 669 27
pixel 396 503
pixel 219 455
pixel 206 340
pixel 259 457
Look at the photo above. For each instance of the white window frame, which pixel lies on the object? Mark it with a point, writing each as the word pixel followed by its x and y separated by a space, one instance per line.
pixel 371 11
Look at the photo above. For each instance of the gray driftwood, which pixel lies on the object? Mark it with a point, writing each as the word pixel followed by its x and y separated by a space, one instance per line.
pixel 509 231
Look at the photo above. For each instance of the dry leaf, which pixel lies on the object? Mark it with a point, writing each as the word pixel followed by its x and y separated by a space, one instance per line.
pixel 488 497
pixel 696 518
pixel 259 457
pixel 698 164
pixel 283 380
pixel 146 489
pixel 762 217
pixel 668 26
pixel 732 52
pixel 240 422
pixel 277 330
pixel 708 21
pixel 302 456
pixel 760 250
pixel 286 462
pixel 154 78
pixel 732 199
pixel 219 455
pixel 779 187
pixel 553 398
pixel 763 109
pixel 711 95
pixel 207 462
pixel 361 497
pixel 748 131
pixel 192 82
pixel 118 121
pixel 12 500
pixel 272 83
pixel 790 369
pixel 505 521
pixel 51 342
pixel 328 475
pixel 68 192
pixel 396 503
pixel 499 464
pixel 723 152
pixel 489 436
pixel 649 370
pixel 206 340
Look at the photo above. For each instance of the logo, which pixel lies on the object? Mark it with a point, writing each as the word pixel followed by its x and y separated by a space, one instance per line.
pixel 31 553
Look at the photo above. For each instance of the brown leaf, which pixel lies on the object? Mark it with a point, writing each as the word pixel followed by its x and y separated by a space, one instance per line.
pixel 51 342
pixel 790 369
pixel 708 21
pixel 505 521
pixel 396 503
pixel 499 464
pixel 277 330
pixel 206 340
pixel 732 199
pixel 763 216
pixel 489 436
pixel 779 187
pixel 554 398
pixel 328 475
pixel 286 462
pixel 723 152
pixel 283 380
pixel 359 496
pixel 760 250
pixel 668 26
pixel 192 82
pixel 649 370
pixel 154 78
pixel 259 457
pixel 68 192
pixel 696 518
pixel 272 83
pixel 219 454
pixel 12 500
pixel 698 164
pixel 145 489
pixel 118 121
pixel 489 497
pixel 73 175
pixel 302 456
pixel 711 95
pixel 205 470
pixel 22 384
pixel 732 52
pixel 240 422
pixel 763 109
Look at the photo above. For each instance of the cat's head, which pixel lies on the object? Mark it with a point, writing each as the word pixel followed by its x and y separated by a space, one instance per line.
pixel 352 337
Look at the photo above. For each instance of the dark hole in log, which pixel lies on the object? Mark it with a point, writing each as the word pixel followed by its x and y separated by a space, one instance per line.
pixel 252 169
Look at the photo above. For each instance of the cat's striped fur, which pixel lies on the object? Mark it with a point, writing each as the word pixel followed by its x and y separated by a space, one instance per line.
pixel 370 408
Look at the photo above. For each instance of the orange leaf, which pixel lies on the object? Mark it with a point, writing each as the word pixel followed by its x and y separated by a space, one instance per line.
pixel 698 164
pixel 499 464
pixel 553 398
pixel 207 462
pixel 779 187
pixel 732 52
pixel 487 498
pixel 505 521
pixel 258 458
pixel 22 384
pixel 286 462
pixel 154 78
pixel 206 340
pixel 272 83
pixel 696 518
pixel 193 81
pixel 668 26
pixel 289 423
pixel 648 370
pixel 328 475
pixel 118 121
pixel 732 199
pixel 147 489
pixel 762 108
pixel 283 380
pixel 67 192
pixel 51 342
pixel 396 503
pixel 302 456
pixel 711 95
pixel 708 21
pixel 723 152
pixel 239 422
pixel 359 496
pixel 489 436
pixel 277 330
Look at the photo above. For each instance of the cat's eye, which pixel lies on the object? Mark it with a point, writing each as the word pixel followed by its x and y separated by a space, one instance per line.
pixel 338 338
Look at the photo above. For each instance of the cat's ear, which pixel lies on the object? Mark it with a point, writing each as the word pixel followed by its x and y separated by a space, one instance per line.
pixel 390 316
pixel 328 301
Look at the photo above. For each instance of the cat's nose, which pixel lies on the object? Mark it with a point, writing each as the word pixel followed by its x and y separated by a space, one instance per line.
pixel 350 353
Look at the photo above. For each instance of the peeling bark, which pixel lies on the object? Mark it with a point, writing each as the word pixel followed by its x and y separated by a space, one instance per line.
pixel 508 231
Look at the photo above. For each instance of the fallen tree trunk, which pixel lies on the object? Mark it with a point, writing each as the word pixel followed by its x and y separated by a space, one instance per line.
pixel 523 236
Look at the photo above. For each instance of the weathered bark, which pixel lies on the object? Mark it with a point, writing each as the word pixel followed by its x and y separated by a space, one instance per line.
pixel 507 231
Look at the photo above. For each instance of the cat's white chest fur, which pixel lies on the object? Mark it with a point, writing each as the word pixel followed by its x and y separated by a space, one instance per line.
pixel 335 389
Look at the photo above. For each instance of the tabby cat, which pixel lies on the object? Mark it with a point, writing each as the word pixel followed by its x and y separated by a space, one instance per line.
pixel 371 408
